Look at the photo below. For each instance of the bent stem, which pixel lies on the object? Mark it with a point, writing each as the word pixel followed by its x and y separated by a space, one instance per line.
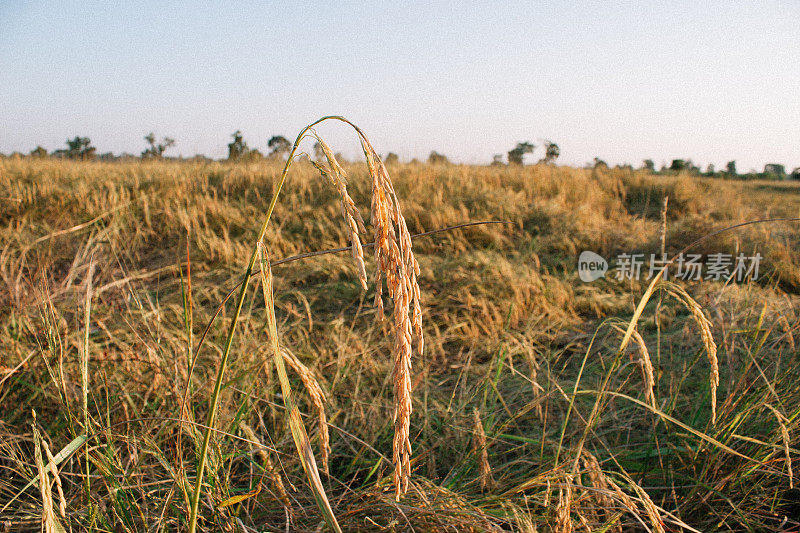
pixel 248 274
pixel 299 435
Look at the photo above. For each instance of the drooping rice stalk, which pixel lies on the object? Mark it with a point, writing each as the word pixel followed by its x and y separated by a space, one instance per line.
pixel 782 421
pixel 317 399
pixel 50 523
pixel 705 334
pixel 352 217
pixel 269 469
pixel 51 463
pixel 647 368
pixel 564 507
pixel 601 485
pixel 395 262
pixel 650 508
pixel 481 451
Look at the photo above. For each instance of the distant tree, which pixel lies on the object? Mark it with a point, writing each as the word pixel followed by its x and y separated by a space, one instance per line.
pixel 516 156
pixel 435 158
pixel 775 170
pixel 678 165
pixel 156 150
pixel 77 148
pixel 730 169
pixel 599 163
pixel 710 169
pixel 279 146
pixel 648 165
pixel 497 160
pixel 795 175
pixel 551 152
pixel 238 148
pixel 391 159
pixel 39 152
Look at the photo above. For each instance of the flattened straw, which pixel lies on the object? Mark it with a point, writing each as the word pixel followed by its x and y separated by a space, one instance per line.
pixel 306 255
pixel 370 244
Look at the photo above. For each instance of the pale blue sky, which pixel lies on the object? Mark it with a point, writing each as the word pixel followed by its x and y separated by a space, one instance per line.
pixel 624 81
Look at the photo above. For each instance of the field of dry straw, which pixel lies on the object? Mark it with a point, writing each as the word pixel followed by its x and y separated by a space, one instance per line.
pixel 305 410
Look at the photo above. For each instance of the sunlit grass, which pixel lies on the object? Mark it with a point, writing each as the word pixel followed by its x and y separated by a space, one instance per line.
pixel 509 329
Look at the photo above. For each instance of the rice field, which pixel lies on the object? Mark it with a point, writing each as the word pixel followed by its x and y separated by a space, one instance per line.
pixel 143 389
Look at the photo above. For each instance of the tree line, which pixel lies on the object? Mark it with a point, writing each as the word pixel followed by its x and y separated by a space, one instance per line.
pixel 278 147
pixel 81 148
pixel 677 166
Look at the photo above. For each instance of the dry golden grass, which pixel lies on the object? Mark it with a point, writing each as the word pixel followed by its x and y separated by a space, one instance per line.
pixel 508 328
